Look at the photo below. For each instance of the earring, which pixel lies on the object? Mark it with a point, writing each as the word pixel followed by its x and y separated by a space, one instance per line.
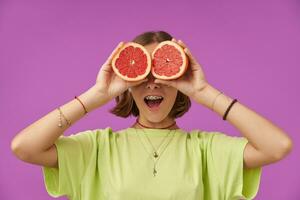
pixel 129 89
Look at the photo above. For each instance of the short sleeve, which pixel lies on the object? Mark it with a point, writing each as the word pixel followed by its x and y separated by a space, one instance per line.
pixel 226 154
pixel 74 152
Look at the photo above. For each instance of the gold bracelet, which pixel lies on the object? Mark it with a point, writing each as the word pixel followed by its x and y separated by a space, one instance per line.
pixel 60 121
pixel 212 107
pixel 85 110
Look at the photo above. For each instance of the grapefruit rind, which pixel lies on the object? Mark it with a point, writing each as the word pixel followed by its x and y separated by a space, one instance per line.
pixel 182 68
pixel 139 77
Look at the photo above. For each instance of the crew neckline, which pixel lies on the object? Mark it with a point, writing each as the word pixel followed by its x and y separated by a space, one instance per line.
pixel 152 131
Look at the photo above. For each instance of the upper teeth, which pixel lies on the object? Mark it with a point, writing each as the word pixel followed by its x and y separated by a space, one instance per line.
pixel 153 97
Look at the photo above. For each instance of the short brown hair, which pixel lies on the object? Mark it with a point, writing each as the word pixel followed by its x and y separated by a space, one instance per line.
pixel 126 105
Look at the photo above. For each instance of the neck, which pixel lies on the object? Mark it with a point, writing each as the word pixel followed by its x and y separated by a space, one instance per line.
pixel 165 124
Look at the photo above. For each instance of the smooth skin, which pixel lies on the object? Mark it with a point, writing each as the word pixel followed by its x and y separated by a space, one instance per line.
pixel 267 142
pixel 35 143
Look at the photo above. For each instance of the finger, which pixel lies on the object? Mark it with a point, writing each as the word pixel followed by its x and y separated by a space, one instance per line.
pixel 182 44
pixel 115 51
pixel 192 58
pixel 194 63
pixel 107 65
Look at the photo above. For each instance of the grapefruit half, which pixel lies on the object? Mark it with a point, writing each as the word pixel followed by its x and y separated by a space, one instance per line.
pixel 132 62
pixel 169 61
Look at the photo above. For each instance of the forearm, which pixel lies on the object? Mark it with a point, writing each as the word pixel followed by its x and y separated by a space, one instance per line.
pixel 42 134
pixel 261 133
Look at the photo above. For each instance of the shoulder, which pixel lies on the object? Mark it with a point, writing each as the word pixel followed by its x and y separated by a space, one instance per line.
pixel 87 136
pixel 204 135
pixel 216 139
pixel 212 135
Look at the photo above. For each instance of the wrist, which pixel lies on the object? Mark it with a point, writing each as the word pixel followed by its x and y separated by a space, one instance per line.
pixel 92 99
pixel 212 98
pixel 206 96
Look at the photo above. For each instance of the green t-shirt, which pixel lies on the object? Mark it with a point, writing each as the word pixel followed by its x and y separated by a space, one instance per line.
pixel 103 164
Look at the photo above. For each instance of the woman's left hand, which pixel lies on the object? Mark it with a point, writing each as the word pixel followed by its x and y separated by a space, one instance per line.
pixel 193 81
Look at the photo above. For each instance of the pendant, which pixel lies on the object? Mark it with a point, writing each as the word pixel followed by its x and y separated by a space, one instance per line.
pixel 154 172
pixel 155 155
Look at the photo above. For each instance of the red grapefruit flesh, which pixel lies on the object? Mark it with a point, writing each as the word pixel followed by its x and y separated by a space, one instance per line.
pixel 132 62
pixel 169 61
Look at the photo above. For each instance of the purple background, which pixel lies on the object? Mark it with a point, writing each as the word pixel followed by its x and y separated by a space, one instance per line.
pixel 51 51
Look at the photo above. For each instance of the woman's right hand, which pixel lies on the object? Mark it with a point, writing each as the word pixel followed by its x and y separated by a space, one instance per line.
pixel 110 85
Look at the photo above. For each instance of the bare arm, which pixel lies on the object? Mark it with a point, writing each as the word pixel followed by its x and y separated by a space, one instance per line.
pixel 35 143
pixel 268 143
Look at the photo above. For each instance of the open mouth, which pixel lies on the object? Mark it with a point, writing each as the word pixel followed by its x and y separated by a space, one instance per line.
pixel 153 101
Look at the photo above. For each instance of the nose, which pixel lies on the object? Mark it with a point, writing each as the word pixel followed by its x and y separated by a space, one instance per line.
pixel 150 83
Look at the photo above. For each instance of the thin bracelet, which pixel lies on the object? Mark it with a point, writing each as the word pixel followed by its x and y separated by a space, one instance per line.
pixel 60 121
pixel 229 107
pixel 85 110
pixel 212 107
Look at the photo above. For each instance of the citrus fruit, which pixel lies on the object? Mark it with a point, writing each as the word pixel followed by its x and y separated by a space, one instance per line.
pixel 169 61
pixel 132 62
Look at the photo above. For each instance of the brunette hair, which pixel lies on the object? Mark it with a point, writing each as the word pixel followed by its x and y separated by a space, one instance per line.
pixel 126 105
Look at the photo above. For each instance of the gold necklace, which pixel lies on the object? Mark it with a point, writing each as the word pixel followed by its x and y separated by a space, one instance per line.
pixel 156 156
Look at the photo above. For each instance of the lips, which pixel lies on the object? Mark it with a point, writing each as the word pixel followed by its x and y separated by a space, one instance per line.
pixel 152 101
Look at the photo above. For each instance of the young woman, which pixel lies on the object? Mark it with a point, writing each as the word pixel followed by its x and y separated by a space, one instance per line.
pixel 154 158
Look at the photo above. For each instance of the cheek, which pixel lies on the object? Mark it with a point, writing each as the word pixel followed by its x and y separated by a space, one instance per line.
pixel 171 98
pixel 137 98
pixel 173 94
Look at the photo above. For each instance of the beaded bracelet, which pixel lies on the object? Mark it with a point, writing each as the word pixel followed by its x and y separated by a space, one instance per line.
pixel 60 124
pixel 60 121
